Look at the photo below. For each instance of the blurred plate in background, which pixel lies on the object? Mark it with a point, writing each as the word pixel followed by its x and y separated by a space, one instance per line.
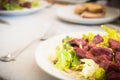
pixel 72 1
pixel 67 14
pixel 43 4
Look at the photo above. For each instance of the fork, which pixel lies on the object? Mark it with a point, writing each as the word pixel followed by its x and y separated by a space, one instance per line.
pixel 4 22
pixel 11 56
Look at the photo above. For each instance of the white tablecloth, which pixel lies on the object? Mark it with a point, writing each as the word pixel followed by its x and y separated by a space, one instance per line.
pixel 24 29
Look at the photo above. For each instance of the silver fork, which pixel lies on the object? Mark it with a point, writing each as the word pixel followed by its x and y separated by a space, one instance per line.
pixel 4 22
pixel 11 56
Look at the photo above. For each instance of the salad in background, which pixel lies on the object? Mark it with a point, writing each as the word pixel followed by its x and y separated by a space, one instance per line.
pixel 18 4
pixel 92 57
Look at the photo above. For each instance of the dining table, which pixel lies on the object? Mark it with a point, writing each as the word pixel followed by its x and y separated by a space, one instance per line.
pixel 26 32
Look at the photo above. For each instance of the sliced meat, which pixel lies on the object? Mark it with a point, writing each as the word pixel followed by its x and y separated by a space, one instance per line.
pixel 102 56
pixel 102 60
pixel 80 52
pixel 113 72
pixel 113 67
pixel 87 47
pixel 26 4
pixel 115 45
pixel 113 75
pixel 98 51
pixel 97 39
pixel 78 42
pixel 90 56
pixel 1 8
pixel 117 58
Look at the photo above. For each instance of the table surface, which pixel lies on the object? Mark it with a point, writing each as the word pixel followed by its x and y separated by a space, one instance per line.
pixel 23 30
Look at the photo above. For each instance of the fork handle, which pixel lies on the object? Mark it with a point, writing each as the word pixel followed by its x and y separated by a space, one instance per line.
pixel 20 50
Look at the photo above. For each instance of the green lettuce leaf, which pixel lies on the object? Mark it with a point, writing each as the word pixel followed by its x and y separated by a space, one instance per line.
pixel 11 6
pixel 112 33
pixel 88 36
pixel 16 6
pixel 66 56
pixel 100 74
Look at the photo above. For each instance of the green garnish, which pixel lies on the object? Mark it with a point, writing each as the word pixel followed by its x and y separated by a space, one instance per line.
pixel 112 33
pixel 100 74
pixel 66 56
pixel 88 36
pixel 16 5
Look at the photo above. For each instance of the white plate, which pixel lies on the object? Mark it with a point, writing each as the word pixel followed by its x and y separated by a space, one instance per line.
pixel 43 4
pixel 67 14
pixel 72 1
pixel 47 48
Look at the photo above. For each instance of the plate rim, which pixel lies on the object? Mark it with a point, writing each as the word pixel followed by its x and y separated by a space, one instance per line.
pixel 74 2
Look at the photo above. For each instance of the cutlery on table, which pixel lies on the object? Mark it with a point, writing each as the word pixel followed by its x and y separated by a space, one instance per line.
pixel 4 22
pixel 11 56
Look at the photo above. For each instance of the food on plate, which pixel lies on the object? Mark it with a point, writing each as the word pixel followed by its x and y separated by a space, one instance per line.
pixel 94 8
pixel 80 9
pixel 92 15
pixel 90 10
pixel 91 57
pixel 18 4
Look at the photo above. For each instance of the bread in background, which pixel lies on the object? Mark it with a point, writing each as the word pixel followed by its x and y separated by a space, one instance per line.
pixel 90 10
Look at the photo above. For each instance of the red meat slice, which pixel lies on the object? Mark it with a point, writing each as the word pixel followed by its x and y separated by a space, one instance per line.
pixel 115 45
pixel 113 72
pixel 78 42
pixel 117 58
pixel 97 39
pixel 98 51
pixel 113 75
pixel 80 52
pixel 26 4
pixel 1 8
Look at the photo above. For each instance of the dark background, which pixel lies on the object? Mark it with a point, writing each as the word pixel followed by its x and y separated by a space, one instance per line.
pixel 113 3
